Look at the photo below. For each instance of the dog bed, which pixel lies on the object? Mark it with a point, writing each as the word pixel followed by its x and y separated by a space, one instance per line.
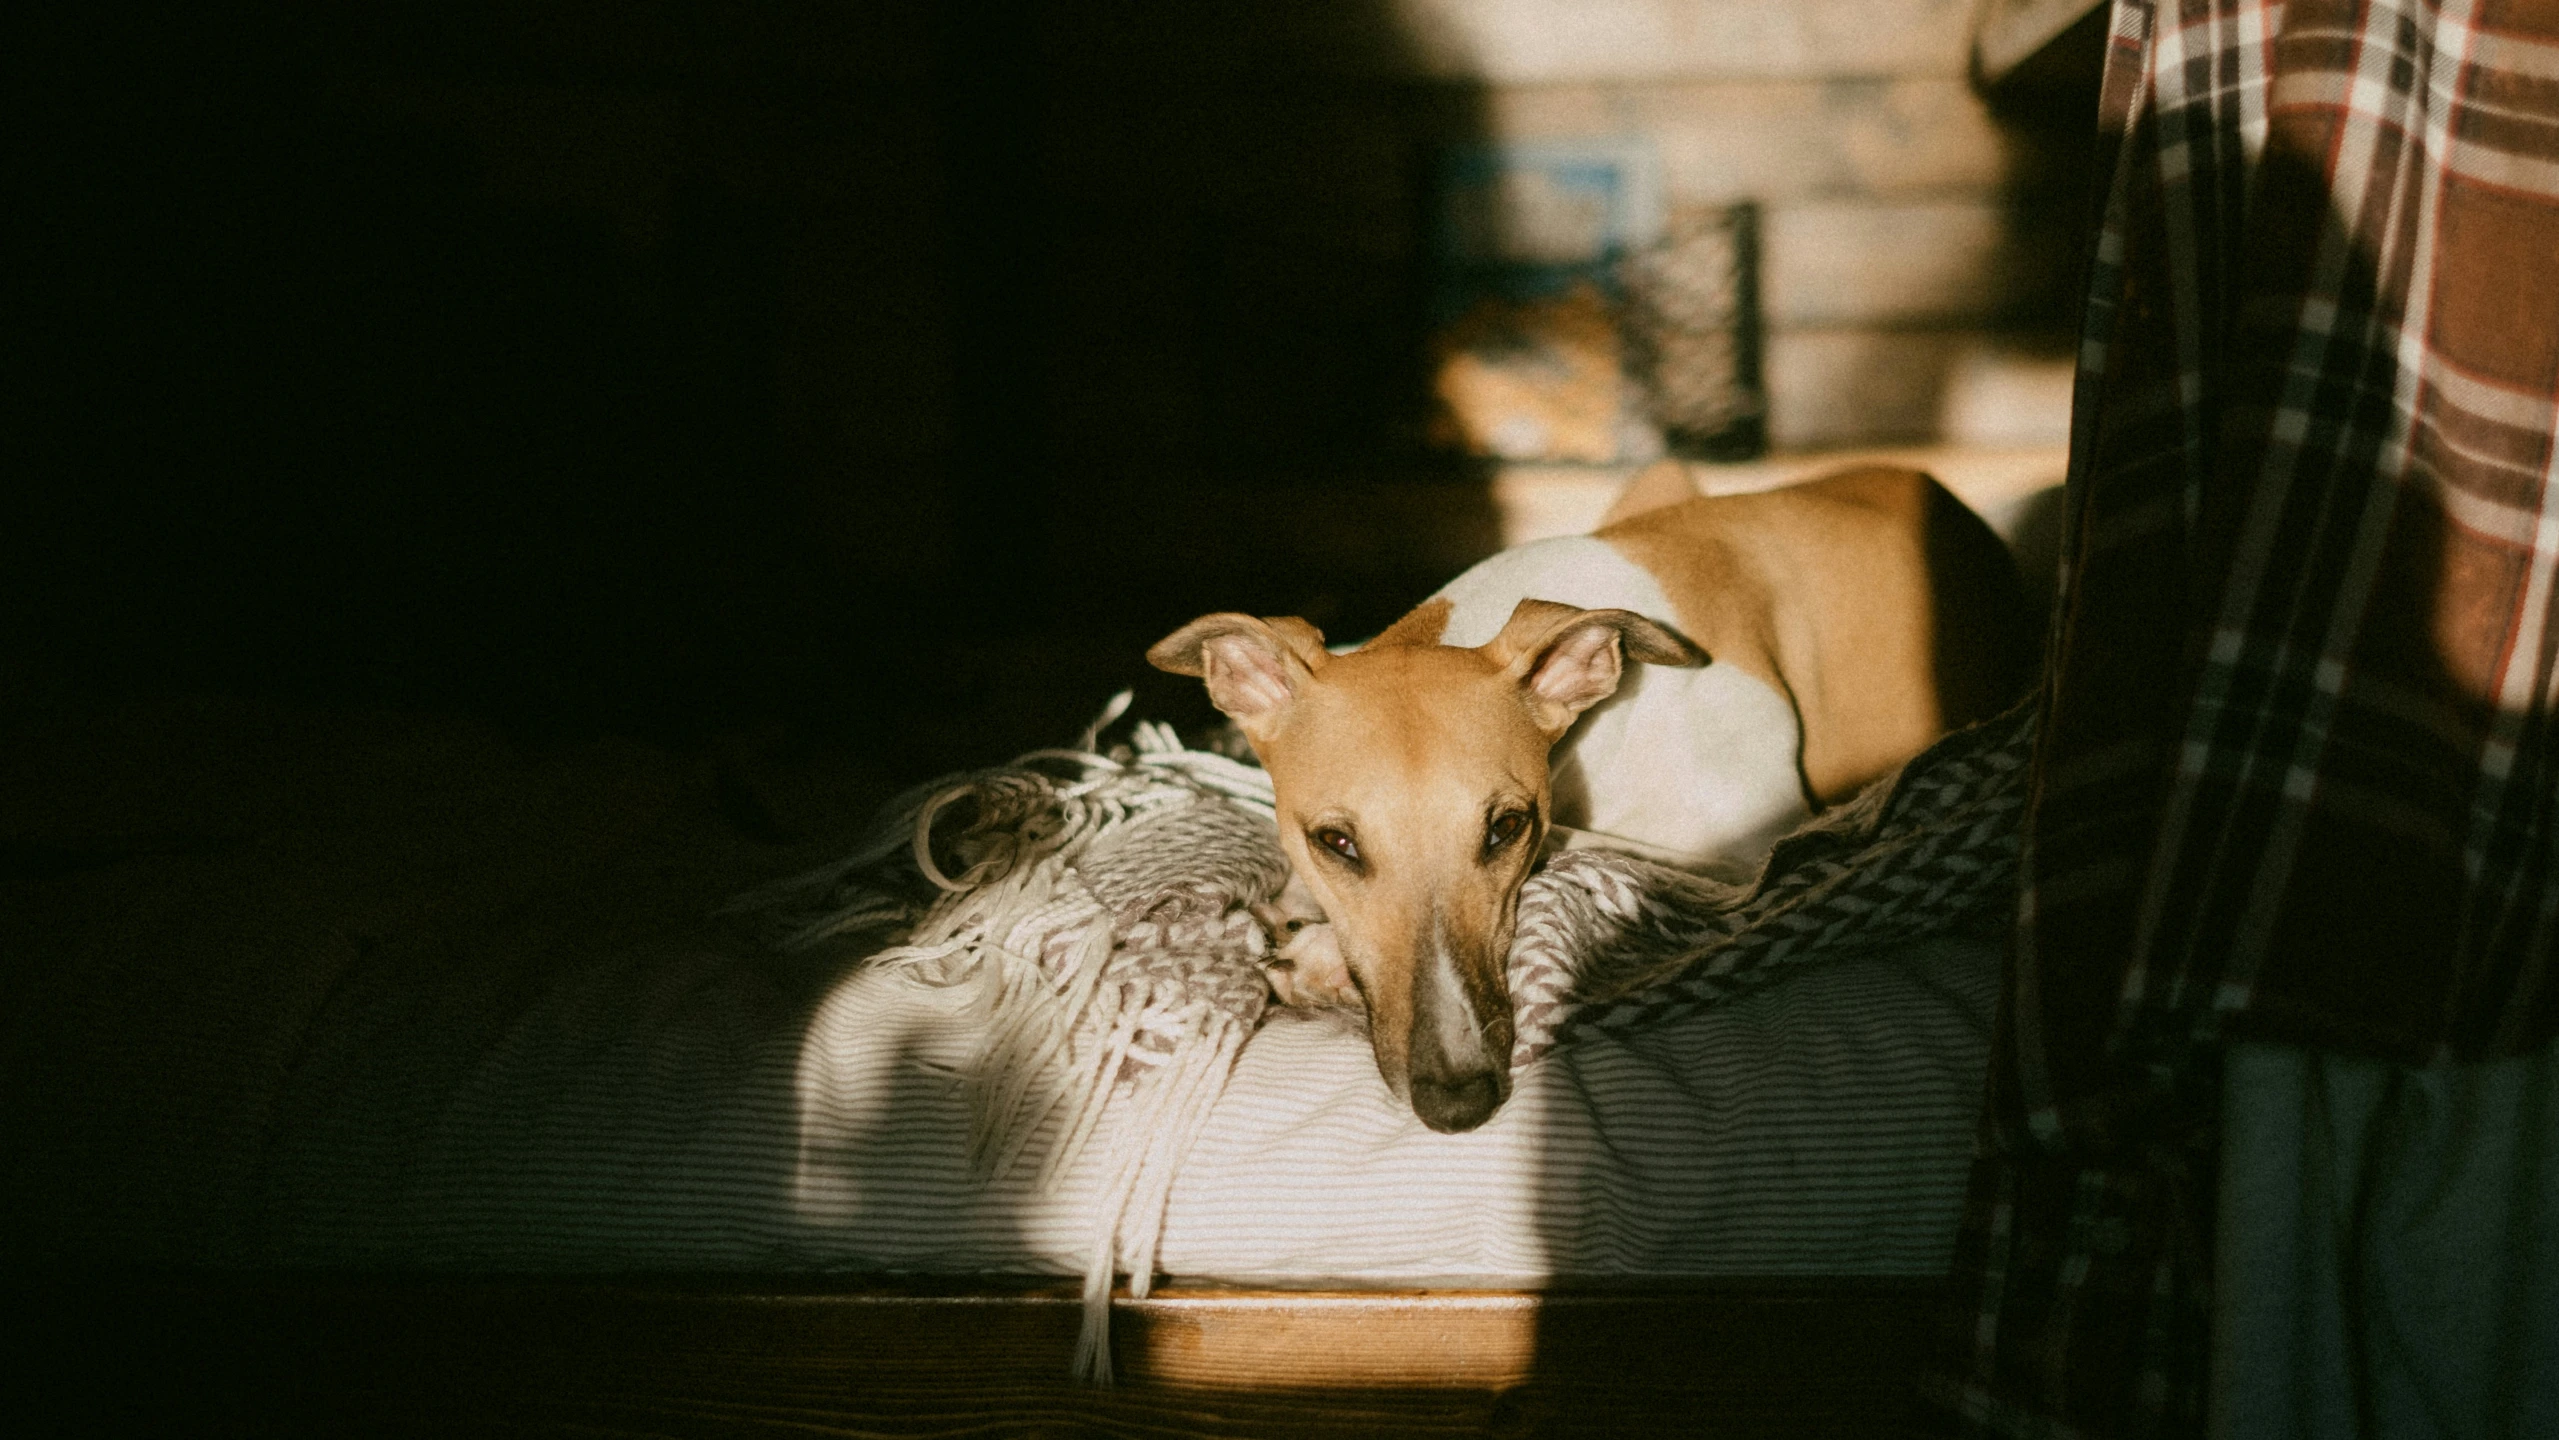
pixel 462 1049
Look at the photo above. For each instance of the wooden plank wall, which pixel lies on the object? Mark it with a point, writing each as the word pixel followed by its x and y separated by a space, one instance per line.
pixel 1908 282
pixel 1920 249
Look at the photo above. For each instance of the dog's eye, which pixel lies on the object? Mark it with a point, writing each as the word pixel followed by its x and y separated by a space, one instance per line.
pixel 1339 843
pixel 1505 828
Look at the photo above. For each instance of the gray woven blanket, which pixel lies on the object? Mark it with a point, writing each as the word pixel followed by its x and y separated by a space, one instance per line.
pixel 1613 942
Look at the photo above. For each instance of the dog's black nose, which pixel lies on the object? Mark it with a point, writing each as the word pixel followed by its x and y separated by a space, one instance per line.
pixel 1457 1103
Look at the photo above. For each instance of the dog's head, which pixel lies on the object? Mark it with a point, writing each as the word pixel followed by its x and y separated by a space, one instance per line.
pixel 1413 797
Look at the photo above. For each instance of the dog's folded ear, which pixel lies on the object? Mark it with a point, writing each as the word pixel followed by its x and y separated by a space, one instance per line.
pixel 1568 660
pixel 1253 667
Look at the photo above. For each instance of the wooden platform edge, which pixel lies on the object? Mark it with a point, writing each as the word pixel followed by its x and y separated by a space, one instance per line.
pixel 373 1355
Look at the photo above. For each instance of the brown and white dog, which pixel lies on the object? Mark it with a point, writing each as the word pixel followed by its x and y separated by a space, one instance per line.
pixel 1801 642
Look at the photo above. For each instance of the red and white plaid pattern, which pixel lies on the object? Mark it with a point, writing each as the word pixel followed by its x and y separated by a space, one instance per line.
pixel 2296 776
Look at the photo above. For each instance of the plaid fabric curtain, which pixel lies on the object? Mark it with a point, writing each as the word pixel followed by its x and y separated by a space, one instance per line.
pixel 2296 774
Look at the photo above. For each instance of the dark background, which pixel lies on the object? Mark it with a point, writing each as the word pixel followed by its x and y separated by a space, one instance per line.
pixel 876 379
pixel 406 406
pixel 679 368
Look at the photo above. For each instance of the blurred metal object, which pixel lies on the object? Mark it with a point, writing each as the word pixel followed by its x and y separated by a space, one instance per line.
pixel 1691 320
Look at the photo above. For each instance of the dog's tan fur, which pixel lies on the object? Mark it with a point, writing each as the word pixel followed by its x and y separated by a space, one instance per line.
pixel 1872 599
pixel 1883 611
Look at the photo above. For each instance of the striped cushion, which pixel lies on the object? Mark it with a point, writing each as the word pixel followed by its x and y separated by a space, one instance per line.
pixel 674 1110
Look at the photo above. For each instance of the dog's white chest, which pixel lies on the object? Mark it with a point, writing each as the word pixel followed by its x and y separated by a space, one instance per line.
pixel 1702 764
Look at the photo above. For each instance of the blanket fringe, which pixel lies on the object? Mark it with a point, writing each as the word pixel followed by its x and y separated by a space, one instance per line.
pixel 1114 962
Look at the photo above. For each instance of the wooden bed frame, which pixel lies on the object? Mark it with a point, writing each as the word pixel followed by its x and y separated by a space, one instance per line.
pixel 357 1356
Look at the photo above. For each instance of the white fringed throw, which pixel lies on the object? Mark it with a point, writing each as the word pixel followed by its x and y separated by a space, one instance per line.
pixel 1100 907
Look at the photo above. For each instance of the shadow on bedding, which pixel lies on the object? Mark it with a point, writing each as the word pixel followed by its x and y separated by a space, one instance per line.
pixel 1802 1146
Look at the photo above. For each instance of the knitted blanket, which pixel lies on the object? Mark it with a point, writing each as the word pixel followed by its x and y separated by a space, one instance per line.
pixel 1100 906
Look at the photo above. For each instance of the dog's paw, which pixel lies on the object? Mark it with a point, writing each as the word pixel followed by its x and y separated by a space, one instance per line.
pixel 1305 968
pixel 1308 971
